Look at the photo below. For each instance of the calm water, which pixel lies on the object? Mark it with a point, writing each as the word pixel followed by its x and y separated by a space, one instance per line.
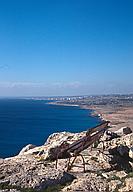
pixel 29 121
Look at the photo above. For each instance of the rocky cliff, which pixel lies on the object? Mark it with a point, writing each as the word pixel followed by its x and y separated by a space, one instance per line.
pixel 109 166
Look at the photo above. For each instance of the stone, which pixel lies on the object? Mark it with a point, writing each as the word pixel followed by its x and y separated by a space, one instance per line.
pixel 121 174
pixel 114 184
pixel 26 148
pixel 131 152
pixel 87 183
pixel 29 172
pixel 32 169
pixel 123 131
pixel 128 185
pixel 1 160
pixel 105 175
pixel 109 135
pixel 126 140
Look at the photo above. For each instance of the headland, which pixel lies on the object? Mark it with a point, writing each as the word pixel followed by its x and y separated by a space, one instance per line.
pixel 118 109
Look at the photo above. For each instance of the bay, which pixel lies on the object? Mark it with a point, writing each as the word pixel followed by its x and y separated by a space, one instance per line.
pixel 25 121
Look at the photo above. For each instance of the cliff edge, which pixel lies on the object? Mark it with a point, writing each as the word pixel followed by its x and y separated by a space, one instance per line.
pixel 109 166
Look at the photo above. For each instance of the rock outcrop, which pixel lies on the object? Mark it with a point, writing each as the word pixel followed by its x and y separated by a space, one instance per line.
pixel 27 148
pixel 109 166
pixel 29 172
pixel 123 131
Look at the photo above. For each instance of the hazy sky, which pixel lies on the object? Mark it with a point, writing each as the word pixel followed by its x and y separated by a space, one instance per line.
pixel 66 47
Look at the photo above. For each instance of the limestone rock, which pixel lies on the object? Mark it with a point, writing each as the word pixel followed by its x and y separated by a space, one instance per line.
pixel 26 148
pixel 128 185
pixel 28 172
pixel 104 160
pixel 31 168
pixel 87 183
pixel 123 131
pixel 131 152
pixel 121 174
pixel 114 184
pixel 1 160
pixel 126 140
pixel 109 135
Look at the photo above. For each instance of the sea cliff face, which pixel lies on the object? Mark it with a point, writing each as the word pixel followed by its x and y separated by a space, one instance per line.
pixel 110 169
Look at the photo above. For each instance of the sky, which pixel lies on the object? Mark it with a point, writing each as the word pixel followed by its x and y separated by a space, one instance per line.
pixel 66 47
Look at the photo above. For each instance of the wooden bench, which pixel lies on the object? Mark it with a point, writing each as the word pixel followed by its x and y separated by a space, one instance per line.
pixel 75 149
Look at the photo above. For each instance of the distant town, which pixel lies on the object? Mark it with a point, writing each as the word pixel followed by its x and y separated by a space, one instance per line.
pixel 116 100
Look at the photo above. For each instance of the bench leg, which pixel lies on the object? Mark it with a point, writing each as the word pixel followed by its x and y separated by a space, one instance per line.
pixel 69 166
pixel 83 161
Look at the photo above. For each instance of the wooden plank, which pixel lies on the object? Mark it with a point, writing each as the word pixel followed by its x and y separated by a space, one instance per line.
pixel 103 125
pixel 93 135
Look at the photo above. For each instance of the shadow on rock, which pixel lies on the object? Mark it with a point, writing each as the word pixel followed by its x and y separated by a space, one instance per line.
pixel 120 158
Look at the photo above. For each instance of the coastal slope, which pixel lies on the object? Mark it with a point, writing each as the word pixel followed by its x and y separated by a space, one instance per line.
pixel 108 170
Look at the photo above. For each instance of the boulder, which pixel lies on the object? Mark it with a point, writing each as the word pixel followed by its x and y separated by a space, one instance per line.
pixel 109 135
pixel 126 140
pixel 123 131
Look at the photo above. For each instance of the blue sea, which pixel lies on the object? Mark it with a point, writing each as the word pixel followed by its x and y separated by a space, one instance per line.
pixel 24 121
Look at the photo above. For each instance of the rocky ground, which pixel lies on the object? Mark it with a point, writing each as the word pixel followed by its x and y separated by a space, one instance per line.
pixel 109 166
pixel 119 116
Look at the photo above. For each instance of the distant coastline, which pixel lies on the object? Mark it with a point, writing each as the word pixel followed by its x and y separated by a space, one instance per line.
pixel 94 112
pixel 117 109
pixel 63 104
